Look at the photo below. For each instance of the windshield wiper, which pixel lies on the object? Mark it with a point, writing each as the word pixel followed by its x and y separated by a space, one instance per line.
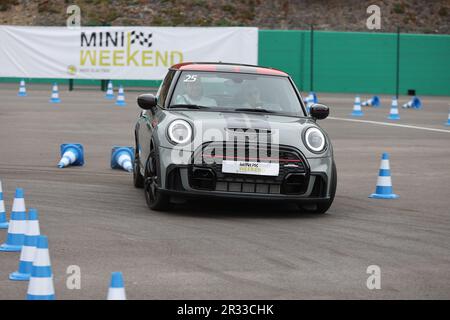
pixel 187 106
pixel 254 110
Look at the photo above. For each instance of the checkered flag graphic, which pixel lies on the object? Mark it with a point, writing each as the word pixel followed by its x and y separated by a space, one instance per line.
pixel 143 39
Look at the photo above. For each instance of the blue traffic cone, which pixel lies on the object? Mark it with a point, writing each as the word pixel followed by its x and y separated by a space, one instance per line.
pixel 393 114
pixel 413 103
pixel 384 183
pixel 22 89
pixel 122 158
pixel 40 286
pixel 17 224
pixel 116 290
pixel 374 102
pixel 55 94
pixel 110 91
pixel 71 154
pixel 3 222
pixel 448 119
pixel 357 108
pixel 29 248
pixel 121 97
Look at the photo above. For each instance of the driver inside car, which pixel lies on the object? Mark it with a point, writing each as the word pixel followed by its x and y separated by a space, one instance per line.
pixel 194 94
pixel 252 97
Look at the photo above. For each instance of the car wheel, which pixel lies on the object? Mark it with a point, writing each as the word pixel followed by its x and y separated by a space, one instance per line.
pixel 155 200
pixel 138 179
pixel 322 207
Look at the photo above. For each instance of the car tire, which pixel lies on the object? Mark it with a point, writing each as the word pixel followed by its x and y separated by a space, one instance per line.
pixel 155 199
pixel 323 207
pixel 138 179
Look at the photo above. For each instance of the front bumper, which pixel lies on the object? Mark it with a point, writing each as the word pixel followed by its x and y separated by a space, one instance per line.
pixel 181 180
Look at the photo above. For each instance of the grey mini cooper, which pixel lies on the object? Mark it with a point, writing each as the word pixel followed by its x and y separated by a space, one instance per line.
pixel 232 130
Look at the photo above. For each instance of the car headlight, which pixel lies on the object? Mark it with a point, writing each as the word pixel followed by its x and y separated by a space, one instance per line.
pixel 314 139
pixel 179 132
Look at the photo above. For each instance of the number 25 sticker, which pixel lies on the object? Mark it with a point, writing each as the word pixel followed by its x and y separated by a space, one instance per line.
pixel 190 78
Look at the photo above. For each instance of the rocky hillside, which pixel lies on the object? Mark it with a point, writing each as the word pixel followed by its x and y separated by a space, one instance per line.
pixel 418 16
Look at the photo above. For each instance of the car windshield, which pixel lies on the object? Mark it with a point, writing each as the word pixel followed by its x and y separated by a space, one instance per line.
pixel 239 92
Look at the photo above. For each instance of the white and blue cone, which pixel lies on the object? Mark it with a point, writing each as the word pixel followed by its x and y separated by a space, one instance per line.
pixel 55 94
pixel 448 119
pixel 374 102
pixel 384 183
pixel 22 89
pixel 29 248
pixel 110 91
pixel 393 114
pixel 122 158
pixel 17 224
pixel 357 108
pixel 121 97
pixel 3 221
pixel 116 290
pixel 312 97
pixel 72 154
pixel 414 103
pixel 40 286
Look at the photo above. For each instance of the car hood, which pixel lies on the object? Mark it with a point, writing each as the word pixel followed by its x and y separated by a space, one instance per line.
pixel 222 120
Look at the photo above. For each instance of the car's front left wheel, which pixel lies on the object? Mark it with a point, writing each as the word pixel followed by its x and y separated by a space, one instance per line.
pixel 155 199
pixel 323 207
pixel 138 179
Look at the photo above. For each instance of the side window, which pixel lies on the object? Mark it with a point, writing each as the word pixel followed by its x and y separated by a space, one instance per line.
pixel 164 89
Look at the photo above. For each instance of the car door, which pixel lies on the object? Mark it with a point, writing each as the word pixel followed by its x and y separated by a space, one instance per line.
pixel 148 119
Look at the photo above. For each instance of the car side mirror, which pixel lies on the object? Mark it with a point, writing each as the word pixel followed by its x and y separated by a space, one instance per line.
pixel 319 111
pixel 147 101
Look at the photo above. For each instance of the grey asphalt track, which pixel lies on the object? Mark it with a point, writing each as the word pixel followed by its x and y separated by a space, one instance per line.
pixel 96 219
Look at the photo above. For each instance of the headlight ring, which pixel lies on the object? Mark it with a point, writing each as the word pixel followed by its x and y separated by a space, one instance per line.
pixel 179 132
pixel 314 140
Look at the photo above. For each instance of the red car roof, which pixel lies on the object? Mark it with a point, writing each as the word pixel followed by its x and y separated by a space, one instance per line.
pixel 227 67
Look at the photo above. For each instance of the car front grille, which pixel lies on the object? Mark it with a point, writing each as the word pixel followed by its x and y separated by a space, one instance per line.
pixel 206 170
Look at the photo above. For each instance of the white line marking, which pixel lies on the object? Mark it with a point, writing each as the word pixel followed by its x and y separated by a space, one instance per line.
pixel 391 124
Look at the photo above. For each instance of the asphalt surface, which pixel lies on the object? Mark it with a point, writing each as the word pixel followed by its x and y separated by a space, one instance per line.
pixel 96 219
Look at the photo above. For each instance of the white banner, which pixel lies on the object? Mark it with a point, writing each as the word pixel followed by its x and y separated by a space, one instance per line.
pixel 141 53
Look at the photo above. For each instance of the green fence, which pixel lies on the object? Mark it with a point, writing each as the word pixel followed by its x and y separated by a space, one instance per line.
pixel 353 62
pixel 360 62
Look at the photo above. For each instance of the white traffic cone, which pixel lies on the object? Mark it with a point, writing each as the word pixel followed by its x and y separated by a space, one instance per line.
pixel 40 286
pixel 357 108
pixel 29 248
pixel 122 158
pixel 3 221
pixel 110 91
pixel 121 97
pixel 55 94
pixel 71 154
pixel 116 290
pixel 384 183
pixel 17 224
pixel 22 89
pixel 393 114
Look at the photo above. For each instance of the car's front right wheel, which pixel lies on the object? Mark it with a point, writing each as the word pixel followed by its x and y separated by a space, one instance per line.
pixel 155 199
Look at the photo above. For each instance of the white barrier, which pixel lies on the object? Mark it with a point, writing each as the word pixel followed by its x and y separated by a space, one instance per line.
pixel 140 53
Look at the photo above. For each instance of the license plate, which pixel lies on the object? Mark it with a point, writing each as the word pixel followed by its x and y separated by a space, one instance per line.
pixel 256 168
